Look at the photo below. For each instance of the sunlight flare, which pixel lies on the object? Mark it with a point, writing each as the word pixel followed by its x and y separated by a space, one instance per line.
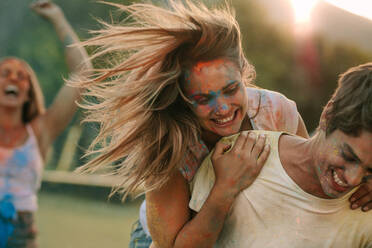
pixel 302 9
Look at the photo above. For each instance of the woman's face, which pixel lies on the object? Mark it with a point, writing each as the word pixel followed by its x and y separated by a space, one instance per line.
pixel 218 95
pixel 14 83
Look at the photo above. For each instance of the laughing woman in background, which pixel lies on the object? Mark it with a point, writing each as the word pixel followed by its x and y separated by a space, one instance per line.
pixel 27 130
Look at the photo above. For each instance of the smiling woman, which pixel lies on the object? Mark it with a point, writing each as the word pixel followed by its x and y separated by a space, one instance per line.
pixel 27 130
pixel 179 83
pixel 21 85
pixel 183 83
pixel 217 92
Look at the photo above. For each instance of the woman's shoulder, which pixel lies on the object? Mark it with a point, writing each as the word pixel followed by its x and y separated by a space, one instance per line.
pixel 192 159
pixel 265 97
pixel 271 110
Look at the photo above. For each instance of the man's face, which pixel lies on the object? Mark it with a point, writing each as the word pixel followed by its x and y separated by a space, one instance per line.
pixel 218 96
pixel 343 162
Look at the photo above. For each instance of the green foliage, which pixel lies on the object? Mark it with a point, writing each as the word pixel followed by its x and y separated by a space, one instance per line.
pixel 276 55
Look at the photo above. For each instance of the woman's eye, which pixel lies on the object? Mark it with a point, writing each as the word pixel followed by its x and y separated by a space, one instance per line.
pixel 5 73
pixel 203 101
pixel 200 100
pixel 21 76
pixel 231 90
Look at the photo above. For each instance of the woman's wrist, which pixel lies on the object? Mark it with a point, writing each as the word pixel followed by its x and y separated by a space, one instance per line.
pixel 58 20
pixel 224 195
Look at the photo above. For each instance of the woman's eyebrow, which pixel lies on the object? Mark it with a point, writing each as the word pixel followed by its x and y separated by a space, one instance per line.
pixel 230 82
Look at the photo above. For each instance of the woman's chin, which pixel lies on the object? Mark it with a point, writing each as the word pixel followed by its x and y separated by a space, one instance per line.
pixel 226 131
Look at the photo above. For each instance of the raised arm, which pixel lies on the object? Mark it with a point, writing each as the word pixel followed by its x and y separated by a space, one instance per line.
pixel 171 223
pixel 56 118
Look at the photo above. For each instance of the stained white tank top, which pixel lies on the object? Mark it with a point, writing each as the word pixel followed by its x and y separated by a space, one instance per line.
pixel 20 173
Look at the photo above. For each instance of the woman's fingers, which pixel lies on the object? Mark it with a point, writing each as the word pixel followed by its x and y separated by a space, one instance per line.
pixel 250 142
pixel 40 4
pixel 220 149
pixel 362 197
pixel 239 143
pixel 239 168
pixel 258 146
pixel 263 156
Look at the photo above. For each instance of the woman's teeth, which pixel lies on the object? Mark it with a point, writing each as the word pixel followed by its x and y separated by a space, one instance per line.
pixel 11 89
pixel 224 120
pixel 338 180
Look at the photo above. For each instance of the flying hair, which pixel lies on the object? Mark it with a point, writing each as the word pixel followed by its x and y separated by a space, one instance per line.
pixel 146 124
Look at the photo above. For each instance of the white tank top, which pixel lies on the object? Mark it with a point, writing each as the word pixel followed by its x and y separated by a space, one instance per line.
pixel 20 173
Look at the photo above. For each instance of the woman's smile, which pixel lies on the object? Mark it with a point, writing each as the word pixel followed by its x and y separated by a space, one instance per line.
pixel 218 97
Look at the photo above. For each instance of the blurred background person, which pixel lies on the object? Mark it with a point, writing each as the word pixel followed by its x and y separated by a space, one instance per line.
pixel 27 129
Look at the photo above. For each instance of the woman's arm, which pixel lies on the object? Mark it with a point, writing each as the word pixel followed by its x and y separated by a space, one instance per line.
pixel 169 218
pixel 48 126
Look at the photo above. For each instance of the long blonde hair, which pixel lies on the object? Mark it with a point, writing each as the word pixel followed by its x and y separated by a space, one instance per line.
pixel 138 100
pixel 35 105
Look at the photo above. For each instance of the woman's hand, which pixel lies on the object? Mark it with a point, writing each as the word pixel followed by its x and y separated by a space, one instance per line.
pixel 47 9
pixel 237 169
pixel 362 197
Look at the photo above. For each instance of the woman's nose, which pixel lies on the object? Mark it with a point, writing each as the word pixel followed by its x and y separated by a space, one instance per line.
pixel 222 107
pixel 13 76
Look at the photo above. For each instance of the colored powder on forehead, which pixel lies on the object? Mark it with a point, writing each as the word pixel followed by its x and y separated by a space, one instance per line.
pixel 200 65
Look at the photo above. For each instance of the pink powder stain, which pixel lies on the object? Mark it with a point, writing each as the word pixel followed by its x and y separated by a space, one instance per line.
pixel 298 220
pixel 4 156
pixel 200 65
pixel 278 115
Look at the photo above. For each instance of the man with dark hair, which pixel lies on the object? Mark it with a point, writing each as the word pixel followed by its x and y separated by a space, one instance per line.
pixel 300 198
pixel 351 109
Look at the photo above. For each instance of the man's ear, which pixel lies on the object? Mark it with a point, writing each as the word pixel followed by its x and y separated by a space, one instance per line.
pixel 323 117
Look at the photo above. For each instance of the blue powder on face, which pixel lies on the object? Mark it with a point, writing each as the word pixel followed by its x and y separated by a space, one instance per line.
pixel 213 102
pixel 187 77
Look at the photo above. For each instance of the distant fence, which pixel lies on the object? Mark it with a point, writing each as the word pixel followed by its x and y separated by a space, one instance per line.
pixel 64 171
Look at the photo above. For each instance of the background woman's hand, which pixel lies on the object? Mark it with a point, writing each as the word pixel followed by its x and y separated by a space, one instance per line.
pixel 47 9
pixel 237 169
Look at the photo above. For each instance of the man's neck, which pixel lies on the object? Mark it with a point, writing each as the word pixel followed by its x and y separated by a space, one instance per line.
pixel 297 157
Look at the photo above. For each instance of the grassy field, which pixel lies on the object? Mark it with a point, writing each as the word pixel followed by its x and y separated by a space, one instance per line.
pixel 65 221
